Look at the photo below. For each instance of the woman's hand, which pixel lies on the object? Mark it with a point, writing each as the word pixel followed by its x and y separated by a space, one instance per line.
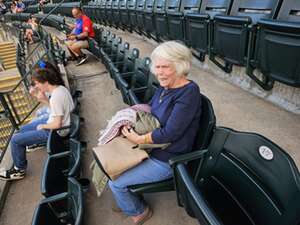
pixel 41 97
pixel 131 135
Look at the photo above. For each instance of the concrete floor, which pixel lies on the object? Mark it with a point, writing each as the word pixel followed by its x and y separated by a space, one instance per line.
pixel 234 108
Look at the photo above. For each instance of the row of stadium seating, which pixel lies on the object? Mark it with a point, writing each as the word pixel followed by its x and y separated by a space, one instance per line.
pixel 232 32
pixel 245 33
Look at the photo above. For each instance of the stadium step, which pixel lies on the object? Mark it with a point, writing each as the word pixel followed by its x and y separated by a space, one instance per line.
pixel 8 55
pixel 9 79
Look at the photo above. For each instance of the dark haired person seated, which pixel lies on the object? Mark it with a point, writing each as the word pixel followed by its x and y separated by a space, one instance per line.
pixel 47 79
pixel 177 106
pixel 79 37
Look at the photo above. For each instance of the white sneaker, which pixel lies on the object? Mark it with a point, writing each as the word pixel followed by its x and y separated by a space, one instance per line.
pixel 33 148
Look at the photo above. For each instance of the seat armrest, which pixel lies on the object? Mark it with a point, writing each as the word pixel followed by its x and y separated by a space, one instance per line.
pixel 60 155
pixel 122 82
pixel 233 19
pixel 62 128
pixel 127 74
pixel 187 157
pixel 207 215
pixel 54 198
pixel 139 89
pixel 198 16
pixel 282 26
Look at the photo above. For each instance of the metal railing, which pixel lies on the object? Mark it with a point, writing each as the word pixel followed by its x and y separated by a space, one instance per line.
pixel 16 105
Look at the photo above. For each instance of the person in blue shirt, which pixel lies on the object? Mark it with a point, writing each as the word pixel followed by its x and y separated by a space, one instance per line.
pixel 177 106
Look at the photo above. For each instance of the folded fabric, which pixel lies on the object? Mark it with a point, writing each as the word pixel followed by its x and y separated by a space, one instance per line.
pixel 124 117
pixel 145 123
pixel 98 178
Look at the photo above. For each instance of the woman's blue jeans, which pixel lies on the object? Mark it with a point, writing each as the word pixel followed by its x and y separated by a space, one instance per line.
pixel 150 170
pixel 26 136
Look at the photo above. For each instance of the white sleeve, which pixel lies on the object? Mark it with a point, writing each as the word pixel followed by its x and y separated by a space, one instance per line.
pixel 57 105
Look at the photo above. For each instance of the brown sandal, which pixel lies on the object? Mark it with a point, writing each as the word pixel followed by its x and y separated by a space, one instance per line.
pixel 147 214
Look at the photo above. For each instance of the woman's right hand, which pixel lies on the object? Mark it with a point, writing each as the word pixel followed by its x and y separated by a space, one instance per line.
pixel 41 97
pixel 131 135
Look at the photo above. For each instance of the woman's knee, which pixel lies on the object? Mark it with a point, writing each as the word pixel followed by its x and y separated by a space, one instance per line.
pixel 117 185
pixel 15 139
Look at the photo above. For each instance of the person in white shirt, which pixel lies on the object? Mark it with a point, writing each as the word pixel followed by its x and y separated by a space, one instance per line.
pixel 47 79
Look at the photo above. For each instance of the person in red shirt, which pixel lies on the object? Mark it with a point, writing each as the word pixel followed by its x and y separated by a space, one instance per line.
pixel 78 38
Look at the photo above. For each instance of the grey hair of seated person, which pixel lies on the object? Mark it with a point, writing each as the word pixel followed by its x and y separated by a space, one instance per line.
pixel 178 54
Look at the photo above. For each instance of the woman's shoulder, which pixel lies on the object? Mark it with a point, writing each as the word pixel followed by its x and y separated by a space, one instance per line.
pixel 61 90
pixel 191 88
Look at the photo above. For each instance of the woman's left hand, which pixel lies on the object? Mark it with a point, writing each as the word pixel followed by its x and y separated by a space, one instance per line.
pixel 131 135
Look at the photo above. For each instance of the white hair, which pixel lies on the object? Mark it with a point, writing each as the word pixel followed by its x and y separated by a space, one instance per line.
pixel 178 54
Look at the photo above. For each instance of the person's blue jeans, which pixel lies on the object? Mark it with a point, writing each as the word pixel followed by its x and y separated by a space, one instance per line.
pixel 150 170
pixel 26 136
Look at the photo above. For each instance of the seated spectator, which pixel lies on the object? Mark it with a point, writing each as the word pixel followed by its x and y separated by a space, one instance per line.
pixel 13 7
pixel 79 37
pixel 47 80
pixel 177 106
pixel 29 33
pixel 42 3
pixel 20 6
pixel 3 8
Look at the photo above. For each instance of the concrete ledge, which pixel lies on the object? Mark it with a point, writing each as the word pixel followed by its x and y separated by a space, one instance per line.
pixel 6 163
pixel 282 95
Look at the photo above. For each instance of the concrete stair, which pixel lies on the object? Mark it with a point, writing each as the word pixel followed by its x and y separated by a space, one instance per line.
pixel 8 55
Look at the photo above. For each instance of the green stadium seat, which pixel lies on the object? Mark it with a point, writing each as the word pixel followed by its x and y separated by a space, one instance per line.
pixel 108 13
pixel 125 22
pixel 33 9
pixel 131 16
pixel 113 52
pixel 198 24
pixel 126 66
pixel 61 209
pixel 231 34
pixel 276 51
pixel 176 21
pixel 115 13
pixel 57 143
pixel 243 178
pixel 137 79
pixel 149 21
pixel 58 167
pixel 116 58
pixel 143 95
pixel 160 19
pixel 140 7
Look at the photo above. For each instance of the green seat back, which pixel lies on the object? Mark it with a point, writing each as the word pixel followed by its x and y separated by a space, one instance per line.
pixel 280 36
pixel 231 33
pixel 247 179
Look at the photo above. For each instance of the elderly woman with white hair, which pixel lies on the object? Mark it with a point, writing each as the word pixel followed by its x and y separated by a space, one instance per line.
pixel 177 106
